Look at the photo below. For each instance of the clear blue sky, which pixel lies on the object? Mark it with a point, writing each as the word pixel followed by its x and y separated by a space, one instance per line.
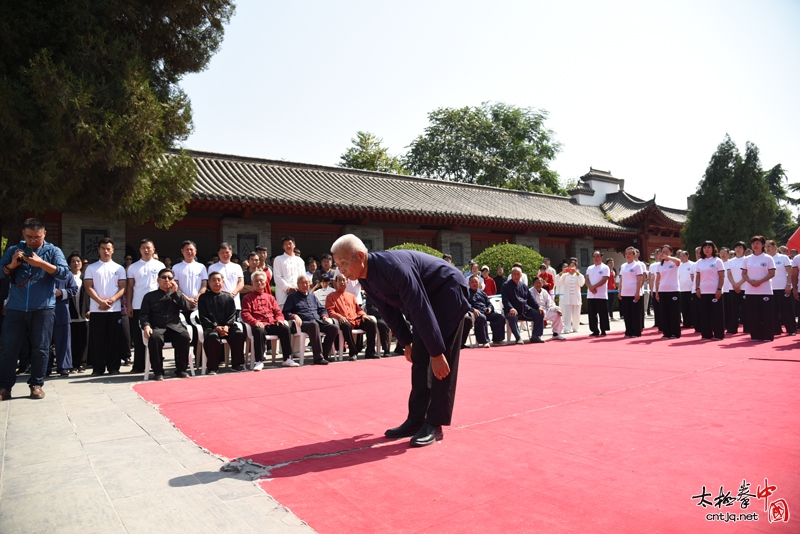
pixel 644 89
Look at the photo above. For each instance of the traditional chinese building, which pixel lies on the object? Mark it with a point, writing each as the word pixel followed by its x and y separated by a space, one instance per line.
pixel 249 201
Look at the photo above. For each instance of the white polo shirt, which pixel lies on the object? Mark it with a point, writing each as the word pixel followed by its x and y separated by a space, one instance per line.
pixel 726 286
pixel 145 279
pixel 594 274
pixel 685 273
pixel 287 269
pixel 231 272
pixel 190 277
pixel 758 267
pixel 105 277
pixel 734 266
pixel 628 273
pixel 708 270
pixel 668 282
pixel 781 279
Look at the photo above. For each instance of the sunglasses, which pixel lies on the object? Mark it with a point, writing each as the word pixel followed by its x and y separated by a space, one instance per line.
pixel 165 277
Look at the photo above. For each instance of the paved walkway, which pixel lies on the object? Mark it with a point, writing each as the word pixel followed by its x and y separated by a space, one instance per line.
pixel 93 457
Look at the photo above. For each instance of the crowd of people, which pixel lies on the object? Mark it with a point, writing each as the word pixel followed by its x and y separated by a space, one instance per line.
pixel 100 310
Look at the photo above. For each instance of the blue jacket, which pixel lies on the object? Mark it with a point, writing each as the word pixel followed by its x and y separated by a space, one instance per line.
pixel 431 290
pixel 518 297
pixel 307 306
pixel 68 291
pixel 32 288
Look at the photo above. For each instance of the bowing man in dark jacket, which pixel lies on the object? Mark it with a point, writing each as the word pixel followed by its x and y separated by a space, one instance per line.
pixel 518 302
pixel 217 311
pixel 434 293
pixel 160 319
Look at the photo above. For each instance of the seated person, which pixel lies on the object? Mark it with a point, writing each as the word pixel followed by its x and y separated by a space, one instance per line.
pixel 325 288
pixel 483 315
pixel 327 268
pixel 383 328
pixel 548 282
pixel 260 310
pixel 552 312
pixel 518 302
pixel 343 307
pixel 489 287
pixel 160 320
pixel 217 311
pixel 309 316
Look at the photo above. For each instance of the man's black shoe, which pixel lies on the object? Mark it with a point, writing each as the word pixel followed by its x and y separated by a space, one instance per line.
pixel 114 372
pixel 537 339
pixel 408 428
pixel 602 334
pixel 373 357
pixel 321 361
pixel 594 334
pixel 181 374
pixel 427 435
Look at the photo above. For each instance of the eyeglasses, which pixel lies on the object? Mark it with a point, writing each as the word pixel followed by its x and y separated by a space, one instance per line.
pixel 165 277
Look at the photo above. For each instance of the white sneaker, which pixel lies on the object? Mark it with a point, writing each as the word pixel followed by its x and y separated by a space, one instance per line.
pixel 290 363
pixel 520 342
pixel 259 366
pixel 559 337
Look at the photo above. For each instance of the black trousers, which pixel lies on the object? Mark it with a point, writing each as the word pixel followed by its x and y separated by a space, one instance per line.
pixel 383 328
pixel 696 312
pixel 105 331
pixel 712 317
pixel 739 313
pixel 80 343
pixel 138 344
pixel 284 334
pixel 611 298
pixel 761 316
pixel 632 313
pixel 669 307
pixel 180 344
pixel 214 349
pixel 598 308
pixel 656 312
pixel 431 400
pixel 784 313
pixel 124 346
pixel 481 324
pixel 687 320
pixel 313 329
pixel 354 345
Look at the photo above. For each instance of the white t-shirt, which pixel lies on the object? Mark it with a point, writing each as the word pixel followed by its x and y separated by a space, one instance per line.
pixel 628 274
pixel 758 267
pixel 231 272
pixel 594 274
pixel 145 279
pixel 189 277
pixel 287 269
pixel 734 266
pixel 105 277
pixel 707 269
pixel 781 279
pixel 685 273
pixel 323 293
pixel 669 276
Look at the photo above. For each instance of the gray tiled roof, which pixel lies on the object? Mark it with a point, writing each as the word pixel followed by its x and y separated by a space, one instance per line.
pixel 240 179
pixel 623 207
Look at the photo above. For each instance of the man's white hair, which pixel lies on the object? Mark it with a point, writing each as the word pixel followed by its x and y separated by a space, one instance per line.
pixel 303 276
pixel 258 274
pixel 348 245
pixel 516 269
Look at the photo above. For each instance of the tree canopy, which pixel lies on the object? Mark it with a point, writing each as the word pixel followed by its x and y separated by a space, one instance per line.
pixel 733 200
pixel 91 103
pixel 419 248
pixel 368 153
pixel 492 144
pixel 506 255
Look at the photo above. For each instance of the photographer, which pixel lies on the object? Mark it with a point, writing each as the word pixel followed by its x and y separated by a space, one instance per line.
pixel 32 266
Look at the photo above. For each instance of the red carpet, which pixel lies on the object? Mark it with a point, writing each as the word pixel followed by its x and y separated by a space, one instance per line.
pixel 587 435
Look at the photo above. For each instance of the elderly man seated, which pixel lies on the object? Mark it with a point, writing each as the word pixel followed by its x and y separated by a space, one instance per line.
pixel 552 312
pixel 343 307
pixel 518 302
pixel 483 315
pixel 260 310
pixel 217 311
pixel 309 316
pixel 160 320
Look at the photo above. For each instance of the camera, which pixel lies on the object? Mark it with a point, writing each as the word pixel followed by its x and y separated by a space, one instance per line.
pixel 27 252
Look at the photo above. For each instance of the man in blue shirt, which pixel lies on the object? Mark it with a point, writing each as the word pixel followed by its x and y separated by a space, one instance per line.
pixel 485 315
pixel 518 302
pixel 434 293
pixel 33 266
pixel 310 316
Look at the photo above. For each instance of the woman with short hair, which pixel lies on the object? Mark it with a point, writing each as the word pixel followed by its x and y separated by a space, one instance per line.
pixel 709 280
pixel 631 278
pixel 667 293
pixel 758 269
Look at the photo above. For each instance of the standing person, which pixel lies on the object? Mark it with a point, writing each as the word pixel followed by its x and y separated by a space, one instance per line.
pixel 325 268
pixel 231 273
pixel 306 313
pixel 550 269
pixel 709 275
pixel 667 293
pixel 192 279
pixel 311 267
pixel 548 282
pixel 66 290
pixel 490 288
pixel 611 287
pixel 685 284
pixel 218 319
pixel 758 269
pixel 434 293
pixel 79 316
pixel 631 279
pixel 500 279
pixel 160 321
pixel 288 268
pixel 263 259
pixel 518 302
pixel 695 298
pixel 33 266
pixel 597 295
pixel 738 297
pixel 655 264
pixel 570 282
pixel 142 279
pixel 253 265
pixel 105 282
pixel 782 290
pixel 727 298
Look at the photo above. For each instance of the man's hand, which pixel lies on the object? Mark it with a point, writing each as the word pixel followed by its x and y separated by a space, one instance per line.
pixel 657 299
pixel 34 260
pixel 756 283
pixel 636 298
pixel 407 349
pixel 58 293
pixel 222 330
pixel 17 259
pixel 440 367
pixel 346 322
pixel 541 311
pixel 559 313
pixel 298 321
pixel 476 313
pixel 259 324
pixel 718 294
pixel 147 332
pixel 593 289
pixel 192 302
pixel 130 312
pixel 513 312
pixel 327 320
pixel 291 290
pixel 106 304
pixel 699 295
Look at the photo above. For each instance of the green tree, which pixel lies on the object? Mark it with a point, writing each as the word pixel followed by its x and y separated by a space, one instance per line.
pixel 91 103
pixel 785 223
pixel 419 248
pixel 733 200
pixel 494 144
pixel 506 255
pixel 369 154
